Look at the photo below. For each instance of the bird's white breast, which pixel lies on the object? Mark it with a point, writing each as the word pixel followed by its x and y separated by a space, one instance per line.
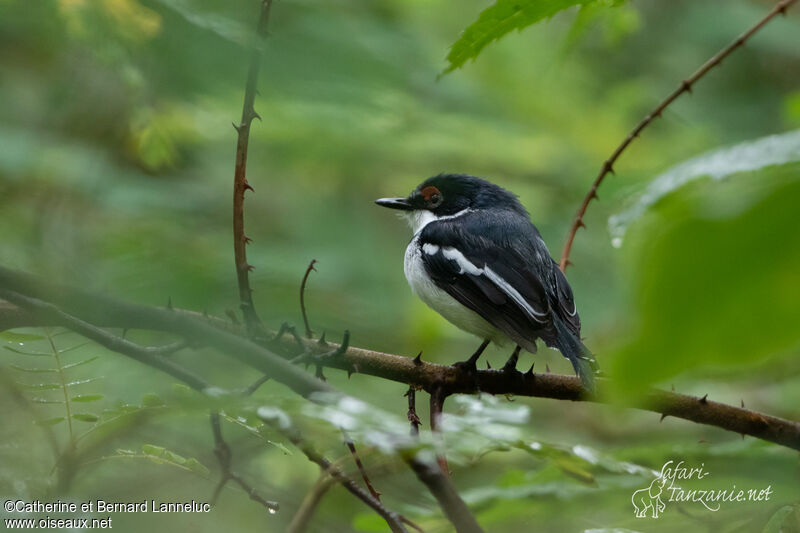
pixel 438 300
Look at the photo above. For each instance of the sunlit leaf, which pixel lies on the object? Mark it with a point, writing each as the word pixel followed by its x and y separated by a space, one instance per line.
pixel 500 19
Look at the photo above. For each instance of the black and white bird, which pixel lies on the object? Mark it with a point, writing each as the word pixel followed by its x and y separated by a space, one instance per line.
pixel 477 260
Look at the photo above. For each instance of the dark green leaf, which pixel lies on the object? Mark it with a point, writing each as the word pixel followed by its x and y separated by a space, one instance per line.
pixel 498 20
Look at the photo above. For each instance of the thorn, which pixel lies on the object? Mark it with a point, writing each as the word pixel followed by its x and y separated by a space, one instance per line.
pixel 742 404
pixel 488 366
pixel 547 368
pixel 686 86
pixel 530 371
pixel 322 340
pixel 663 416
pixel 594 195
pixel 248 267
pixel 418 358
pixel 247 240
pixel 569 263
pixel 255 115
pixel 704 399
pixel 248 187
pixel 237 128
pixel 580 224
pixel 607 167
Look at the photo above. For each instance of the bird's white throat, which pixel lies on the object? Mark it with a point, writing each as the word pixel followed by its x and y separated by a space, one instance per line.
pixel 420 218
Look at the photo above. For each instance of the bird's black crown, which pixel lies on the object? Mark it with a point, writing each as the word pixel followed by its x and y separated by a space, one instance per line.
pixel 447 194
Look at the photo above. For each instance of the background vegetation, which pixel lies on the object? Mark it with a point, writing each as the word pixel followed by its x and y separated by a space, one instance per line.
pixel 116 162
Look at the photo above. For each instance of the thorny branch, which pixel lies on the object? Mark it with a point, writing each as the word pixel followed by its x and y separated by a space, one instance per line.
pixel 240 183
pixel 684 87
pixel 220 334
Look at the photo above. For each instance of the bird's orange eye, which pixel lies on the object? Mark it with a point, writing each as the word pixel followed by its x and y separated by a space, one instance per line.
pixel 431 195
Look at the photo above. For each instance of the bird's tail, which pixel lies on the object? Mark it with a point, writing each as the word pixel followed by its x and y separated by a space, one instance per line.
pixel 579 355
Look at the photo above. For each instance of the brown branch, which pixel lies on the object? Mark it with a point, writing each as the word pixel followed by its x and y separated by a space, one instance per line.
pixel 225 457
pixel 101 310
pixel 438 396
pixel 309 333
pixel 240 184
pixel 413 419
pixel 685 87
pixel 438 483
pixel 309 504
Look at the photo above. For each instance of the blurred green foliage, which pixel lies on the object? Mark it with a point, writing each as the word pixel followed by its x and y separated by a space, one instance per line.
pixel 116 166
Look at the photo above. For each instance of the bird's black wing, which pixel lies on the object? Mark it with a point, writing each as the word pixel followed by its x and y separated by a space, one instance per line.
pixel 561 293
pixel 493 266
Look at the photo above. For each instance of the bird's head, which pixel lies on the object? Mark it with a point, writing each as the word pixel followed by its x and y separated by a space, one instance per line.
pixel 449 194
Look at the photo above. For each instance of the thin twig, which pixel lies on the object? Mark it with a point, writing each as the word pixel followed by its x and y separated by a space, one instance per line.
pixel 240 183
pixel 225 456
pixel 393 519
pixel 685 87
pixel 309 333
pixel 309 504
pixel 352 447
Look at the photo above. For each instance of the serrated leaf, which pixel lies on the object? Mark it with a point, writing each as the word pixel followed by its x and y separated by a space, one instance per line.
pixel 79 363
pixel 11 336
pixel 85 398
pixel 34 370
pixel 22 352
pixel 50 421
pixel 152 400
pixel 85 417
pixel 500 19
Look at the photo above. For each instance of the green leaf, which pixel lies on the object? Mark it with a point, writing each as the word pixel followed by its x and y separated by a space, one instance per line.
pixel 79 363
pixel 41 386
pixel 85 398
pixel 775 524
pixel 195 466
pixel 71 348
pixel 21 352
pixel 11 336
pixel 152 400
pixel 716 164
pixel 50 421
pixel 34 370
pixel 714 288
pixel 85 417
pixel 500 19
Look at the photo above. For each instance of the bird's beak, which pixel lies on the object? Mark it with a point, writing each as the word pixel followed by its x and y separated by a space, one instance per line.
pixel 395 203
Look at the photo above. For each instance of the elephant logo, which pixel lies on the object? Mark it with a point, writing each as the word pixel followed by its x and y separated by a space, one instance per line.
pixel 650 499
